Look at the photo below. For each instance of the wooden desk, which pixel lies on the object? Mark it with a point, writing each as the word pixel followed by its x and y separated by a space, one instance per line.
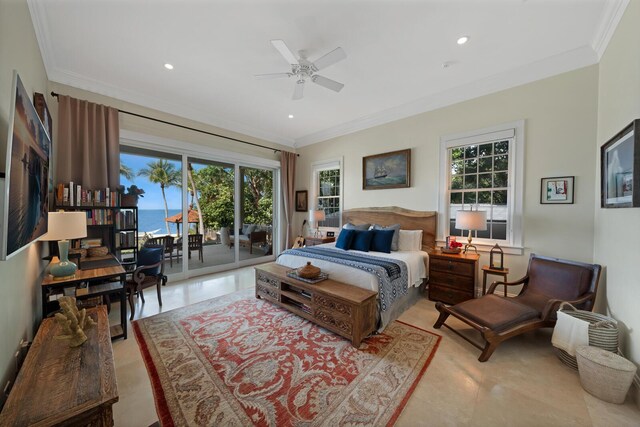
pixel 59 385
pixel 97 286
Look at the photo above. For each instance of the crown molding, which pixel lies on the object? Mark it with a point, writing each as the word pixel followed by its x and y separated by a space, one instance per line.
pixel 551 66
pixel 41 28
pixel 611 16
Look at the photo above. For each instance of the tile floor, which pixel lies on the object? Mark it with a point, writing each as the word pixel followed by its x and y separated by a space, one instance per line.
pixel 523 384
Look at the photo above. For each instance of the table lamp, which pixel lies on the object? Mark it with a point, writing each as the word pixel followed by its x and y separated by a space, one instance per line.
pixel 471 220
pixel 62 227
pixel 315 216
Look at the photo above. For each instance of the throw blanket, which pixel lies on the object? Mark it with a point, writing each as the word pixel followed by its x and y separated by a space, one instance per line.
pixel 393 281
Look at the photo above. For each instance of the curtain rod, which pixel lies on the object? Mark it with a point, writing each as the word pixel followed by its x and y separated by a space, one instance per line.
pixel 275 150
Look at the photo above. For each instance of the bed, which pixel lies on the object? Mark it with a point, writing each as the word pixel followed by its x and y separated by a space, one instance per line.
pixel 414 263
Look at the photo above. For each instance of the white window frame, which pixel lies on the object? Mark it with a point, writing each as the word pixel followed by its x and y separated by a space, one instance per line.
pixel 316 168
pixel 513 131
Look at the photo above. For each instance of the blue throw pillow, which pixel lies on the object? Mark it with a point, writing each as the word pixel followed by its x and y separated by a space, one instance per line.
pixel 396 233
pixel 361 240
pixel 381 241
pixel 344 239
pixel 150 256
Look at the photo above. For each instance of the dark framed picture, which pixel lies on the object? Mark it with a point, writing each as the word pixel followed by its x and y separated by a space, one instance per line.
pixel 557 190
pixel 620 169
pixel 387 170
pixel 302 203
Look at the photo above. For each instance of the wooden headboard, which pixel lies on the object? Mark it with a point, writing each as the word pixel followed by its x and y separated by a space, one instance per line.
pixel 408 220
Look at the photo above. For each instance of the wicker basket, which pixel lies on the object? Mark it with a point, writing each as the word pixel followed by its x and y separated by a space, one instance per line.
pixel 98 251
pixel 603 332
pixel 605 375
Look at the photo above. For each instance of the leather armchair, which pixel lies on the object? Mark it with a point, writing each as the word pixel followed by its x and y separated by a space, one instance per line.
pixel 548 283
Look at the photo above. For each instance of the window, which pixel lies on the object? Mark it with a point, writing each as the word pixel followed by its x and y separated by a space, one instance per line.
pixel 327 191
pixel 483 170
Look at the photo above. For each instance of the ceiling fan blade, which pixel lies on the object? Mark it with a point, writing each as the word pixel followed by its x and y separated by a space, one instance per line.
pixel 328 83
pixel 272 75
pixel 337 54
pixel 285 51
pixel 298 90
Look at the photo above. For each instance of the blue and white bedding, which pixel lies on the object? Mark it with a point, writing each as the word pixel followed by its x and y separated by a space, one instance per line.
pixel 365 270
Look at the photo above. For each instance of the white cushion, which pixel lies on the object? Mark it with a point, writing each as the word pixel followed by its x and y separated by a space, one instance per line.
pixel 410 240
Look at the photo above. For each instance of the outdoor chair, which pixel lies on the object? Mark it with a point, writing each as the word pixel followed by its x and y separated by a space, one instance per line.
pixel 167 242
pixel 548 283
pixel 149 272
pixel 195 244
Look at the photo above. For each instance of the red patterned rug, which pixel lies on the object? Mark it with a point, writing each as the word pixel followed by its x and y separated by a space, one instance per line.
pixel 237 360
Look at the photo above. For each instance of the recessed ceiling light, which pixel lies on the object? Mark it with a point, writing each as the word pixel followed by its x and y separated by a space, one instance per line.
pixel 291 116
pixel 168 66
pixel 463 39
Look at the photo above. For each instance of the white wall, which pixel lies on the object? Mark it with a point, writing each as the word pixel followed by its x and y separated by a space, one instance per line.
pixel 560 114
pixel 617 231
pixel 19 276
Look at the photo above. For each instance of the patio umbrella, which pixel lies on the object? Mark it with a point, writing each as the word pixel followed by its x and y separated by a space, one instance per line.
pixel 193 218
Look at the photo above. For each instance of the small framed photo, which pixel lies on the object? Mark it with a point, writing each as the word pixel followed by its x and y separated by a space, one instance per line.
pixel 620 168
pixel 557 190
pixel 302 204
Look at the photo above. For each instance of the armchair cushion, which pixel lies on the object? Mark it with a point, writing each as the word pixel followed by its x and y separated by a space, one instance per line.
pixel 546 274
pixel 150 256
pixel 495 312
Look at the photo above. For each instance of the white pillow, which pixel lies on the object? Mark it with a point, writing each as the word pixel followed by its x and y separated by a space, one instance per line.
pixel 410 240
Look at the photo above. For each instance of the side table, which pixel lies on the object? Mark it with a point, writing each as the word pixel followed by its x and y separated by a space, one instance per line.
pixel 486 270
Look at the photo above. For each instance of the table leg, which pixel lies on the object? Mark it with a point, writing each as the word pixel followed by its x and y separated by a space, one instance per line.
pixel 123 308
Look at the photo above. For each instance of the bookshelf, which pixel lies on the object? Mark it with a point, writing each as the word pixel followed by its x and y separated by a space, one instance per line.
pixel 116 226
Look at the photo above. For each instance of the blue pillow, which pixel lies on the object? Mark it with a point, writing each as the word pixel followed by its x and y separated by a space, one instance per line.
pixel 150 256
pixel 381 241
pixel 361 240
pixel 344 239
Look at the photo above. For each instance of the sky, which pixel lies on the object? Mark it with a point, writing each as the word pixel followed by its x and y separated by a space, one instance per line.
pixel 152 194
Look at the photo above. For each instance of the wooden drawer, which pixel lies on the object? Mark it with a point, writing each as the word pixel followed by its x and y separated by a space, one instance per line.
pixel 464 283
pixel 452 266
pixel 448 295
pixel 267 280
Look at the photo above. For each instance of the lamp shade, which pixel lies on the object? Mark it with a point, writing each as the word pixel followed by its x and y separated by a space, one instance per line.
pixel 471 220
pixel 66 225
pixel 316 215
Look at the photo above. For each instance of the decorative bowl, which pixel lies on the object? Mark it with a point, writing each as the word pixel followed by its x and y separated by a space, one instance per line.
pixel 309 271
pixel 451 250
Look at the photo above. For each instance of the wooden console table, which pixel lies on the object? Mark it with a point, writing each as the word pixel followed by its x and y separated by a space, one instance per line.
pixel 347 310
pixel 60 385
pixel 98 285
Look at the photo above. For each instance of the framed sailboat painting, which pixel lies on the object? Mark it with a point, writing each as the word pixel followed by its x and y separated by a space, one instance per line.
pixel 387 170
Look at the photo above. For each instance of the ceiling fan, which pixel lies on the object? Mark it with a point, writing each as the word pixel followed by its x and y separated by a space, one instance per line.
pixel 302 69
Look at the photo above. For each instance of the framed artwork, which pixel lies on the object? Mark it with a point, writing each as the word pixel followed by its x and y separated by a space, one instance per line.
pixel 43 112
pixel 387 170
pixel 620 169
pixel 302 202
pixel 557 190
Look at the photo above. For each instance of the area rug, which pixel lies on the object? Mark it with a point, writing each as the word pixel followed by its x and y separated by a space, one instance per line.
pixel 237 360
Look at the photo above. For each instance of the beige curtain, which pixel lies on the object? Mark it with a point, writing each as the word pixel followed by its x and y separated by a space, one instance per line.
pixel 288 167
pixel 88 144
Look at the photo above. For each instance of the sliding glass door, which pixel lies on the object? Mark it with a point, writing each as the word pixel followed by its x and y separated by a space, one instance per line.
pixel 215 214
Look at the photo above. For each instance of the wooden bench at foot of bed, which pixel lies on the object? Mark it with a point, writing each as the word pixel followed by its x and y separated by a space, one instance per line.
pixel 344 309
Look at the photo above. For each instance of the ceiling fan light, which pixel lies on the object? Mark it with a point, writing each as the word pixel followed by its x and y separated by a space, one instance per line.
pixel 168 66
pixel 462 40
pixel 291 116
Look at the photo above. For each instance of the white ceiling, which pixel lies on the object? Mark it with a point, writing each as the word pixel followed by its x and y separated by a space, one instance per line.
pixel 395 51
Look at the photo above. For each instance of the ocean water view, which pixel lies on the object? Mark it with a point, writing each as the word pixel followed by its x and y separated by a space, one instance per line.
pixel 153 219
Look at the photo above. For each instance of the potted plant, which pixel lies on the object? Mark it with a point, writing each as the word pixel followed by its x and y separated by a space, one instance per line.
pixel 130 198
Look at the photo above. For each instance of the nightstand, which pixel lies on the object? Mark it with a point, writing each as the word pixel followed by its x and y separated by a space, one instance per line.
pixel 452 277
pixel 312 241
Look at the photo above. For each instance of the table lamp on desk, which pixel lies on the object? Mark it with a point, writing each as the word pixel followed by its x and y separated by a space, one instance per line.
pixel 316 216
pixel 62 227
pixel 473 221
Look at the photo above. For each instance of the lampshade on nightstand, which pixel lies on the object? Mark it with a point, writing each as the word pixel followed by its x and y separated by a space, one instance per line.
pixel 472 221
pixel 315 216
pixel 62 227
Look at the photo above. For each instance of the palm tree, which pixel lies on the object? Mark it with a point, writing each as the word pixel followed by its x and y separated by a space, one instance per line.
pixel 194 192
pixel 164 173
pixel 127 172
